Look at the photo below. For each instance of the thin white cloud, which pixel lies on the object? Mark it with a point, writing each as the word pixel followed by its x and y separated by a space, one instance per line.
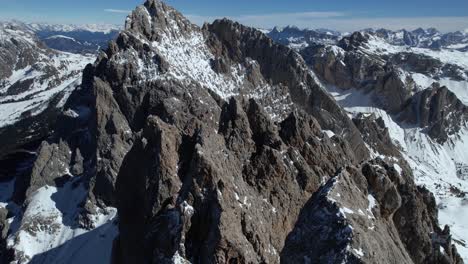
pixel 343 22
pixel 270 19
pixel 444 24
pixel 120 11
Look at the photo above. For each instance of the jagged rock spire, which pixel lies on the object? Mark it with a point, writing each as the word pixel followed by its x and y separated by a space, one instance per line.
pixel 154 18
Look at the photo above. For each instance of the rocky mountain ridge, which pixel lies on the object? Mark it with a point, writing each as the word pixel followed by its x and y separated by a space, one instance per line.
pixel 79 39
pixel 429 38
pixel 419 94
pixel 35 83
pixel 214 145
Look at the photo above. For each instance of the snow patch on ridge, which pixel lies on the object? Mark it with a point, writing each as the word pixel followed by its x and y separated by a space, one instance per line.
pixel 459 88
pixel 189 61
pixel 49 233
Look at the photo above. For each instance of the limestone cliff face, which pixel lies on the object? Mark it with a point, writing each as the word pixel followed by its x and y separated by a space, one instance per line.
pixel 354 64
pixel 437 110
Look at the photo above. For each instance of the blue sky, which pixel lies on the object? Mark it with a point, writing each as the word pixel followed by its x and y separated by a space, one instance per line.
pixel 344 15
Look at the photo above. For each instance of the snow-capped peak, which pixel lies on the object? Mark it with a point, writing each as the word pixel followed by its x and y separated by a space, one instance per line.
pixel 102 28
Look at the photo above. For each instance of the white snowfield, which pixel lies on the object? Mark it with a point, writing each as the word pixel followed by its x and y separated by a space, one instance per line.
pixel 380 46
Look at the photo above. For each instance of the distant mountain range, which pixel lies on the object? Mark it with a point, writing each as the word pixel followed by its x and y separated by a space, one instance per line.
pixel 429 38
pixel 35 82
pixel 89 38
pixel 82 39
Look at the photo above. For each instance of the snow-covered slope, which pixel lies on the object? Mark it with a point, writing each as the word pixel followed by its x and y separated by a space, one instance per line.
pixel 43 88
pixel 35 84
pixel 452 72
pixel 36 75
pixel 47 225
pixel 46 232
pixel 82 39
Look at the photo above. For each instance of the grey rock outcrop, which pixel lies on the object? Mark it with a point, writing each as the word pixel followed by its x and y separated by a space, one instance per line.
pixel 438 111
pixel 233 195
pixel 346 67
pixel 376 135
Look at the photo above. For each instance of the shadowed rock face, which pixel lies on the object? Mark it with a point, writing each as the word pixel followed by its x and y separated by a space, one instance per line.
pixel 204 169
pixel 376 135
pixel 35 81
pixel 5 253
pixel 437 110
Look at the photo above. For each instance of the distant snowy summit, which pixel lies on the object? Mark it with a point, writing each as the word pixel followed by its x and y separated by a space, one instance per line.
pixel 82 39
pixel 95 28
pixel 89 38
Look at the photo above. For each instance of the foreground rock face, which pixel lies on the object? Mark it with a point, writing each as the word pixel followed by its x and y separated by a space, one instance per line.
pixel 218 146
pixel 421 38
pixel 220 182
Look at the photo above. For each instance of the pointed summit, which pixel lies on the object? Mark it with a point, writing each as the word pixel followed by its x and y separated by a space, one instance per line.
pixel 154 18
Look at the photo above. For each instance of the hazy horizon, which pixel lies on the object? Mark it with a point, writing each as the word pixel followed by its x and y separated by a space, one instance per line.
pixel 451 15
